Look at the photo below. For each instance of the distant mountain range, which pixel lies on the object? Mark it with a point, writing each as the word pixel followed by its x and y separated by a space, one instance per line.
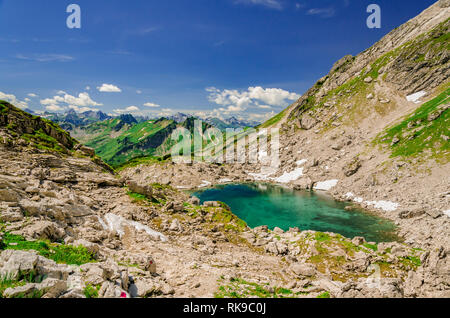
pixel 121 138
pixel 222 124
pixel 71 119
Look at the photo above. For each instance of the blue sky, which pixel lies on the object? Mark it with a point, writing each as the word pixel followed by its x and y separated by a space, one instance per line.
pixel 249 58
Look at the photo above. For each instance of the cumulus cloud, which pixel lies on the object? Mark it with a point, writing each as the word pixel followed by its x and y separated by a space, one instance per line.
pixel 63 101
pixel 32 95
pixel 258 97
pixel 109 88
pixel 13 100
pixel 54 108
pixel 153 105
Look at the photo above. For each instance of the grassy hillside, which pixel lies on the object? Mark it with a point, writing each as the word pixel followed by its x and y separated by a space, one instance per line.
pixel 34 131
pixel 426 131
pixel 117 142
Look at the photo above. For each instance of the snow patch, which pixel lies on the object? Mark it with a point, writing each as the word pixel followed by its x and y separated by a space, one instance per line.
pixel 290 176
pixel 326 185
pixel 264 175
pixel 415 98
pixel 205 184
pixel 349 195
pixel 225 180
pixel 102 223
pixel 117 223
pixel 301 162
pixel 447 213
pixel 386 206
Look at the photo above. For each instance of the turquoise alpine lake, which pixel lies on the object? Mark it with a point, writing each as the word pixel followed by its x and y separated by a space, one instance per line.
pixel 276 206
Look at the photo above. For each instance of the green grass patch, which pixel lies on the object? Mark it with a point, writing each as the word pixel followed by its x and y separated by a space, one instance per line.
pixel 148 160
pixel 240 288
pixel 416 135
pixel 274 120
pixel 22 279
pixel 322 237
pixel 373 247
pixel 61 254
pixel 44 142
pixel 324 295
pixel 91 291
pixel 225 216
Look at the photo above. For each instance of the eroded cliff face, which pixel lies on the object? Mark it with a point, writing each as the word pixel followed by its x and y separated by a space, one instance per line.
pixel 412 58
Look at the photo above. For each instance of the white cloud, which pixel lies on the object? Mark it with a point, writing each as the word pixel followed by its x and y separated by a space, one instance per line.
pixel 129 109
pixel 272 96
pixel 109 88
pixel 32 95
pixel 272 4
pixel 83 100
pixel 82 109
pixel 46 58
pixel 153 105
pixel 322 12
pixel 237 101
pixel 139 92
pixel 13 100
pixel 260 117
pixel 63 101
pixel 88 88
pixel 54 108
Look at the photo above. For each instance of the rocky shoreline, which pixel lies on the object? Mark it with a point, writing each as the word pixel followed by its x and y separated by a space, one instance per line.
pixel 201 176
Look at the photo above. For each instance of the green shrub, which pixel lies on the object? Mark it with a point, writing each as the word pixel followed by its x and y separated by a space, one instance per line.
pixel 91 291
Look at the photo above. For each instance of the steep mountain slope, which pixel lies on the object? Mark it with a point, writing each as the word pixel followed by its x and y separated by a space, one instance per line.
pixel 40 133
pixel 122 139
pixel 375 130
